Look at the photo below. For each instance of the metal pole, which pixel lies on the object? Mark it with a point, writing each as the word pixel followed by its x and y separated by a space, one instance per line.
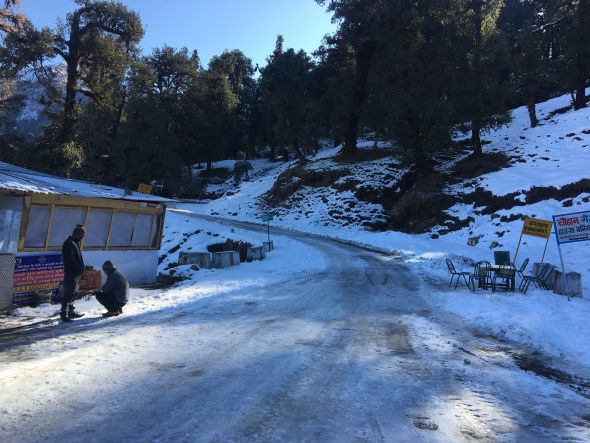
pixel 545 250
pixel 268 225
pixel 517 248
pixel 567 286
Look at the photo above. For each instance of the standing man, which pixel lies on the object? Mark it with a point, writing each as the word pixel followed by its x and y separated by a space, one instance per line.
pixel 115 292
pixel 73 269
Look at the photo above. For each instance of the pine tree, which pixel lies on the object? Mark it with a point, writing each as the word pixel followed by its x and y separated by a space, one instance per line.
pixel 360 25
pixel 285 87
pixel 156 138
pixel 92 43
pixel 413 80
pixel 481 89
pixel 578 47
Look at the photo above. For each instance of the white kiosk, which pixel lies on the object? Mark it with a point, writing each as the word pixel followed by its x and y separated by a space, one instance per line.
pixel 39 211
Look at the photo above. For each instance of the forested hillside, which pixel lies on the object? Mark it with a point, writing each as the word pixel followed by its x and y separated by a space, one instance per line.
pixel 409 73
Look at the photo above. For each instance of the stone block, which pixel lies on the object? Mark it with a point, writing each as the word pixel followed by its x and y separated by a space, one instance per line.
pixel 256 253
pixel 225 259
pixel 201 259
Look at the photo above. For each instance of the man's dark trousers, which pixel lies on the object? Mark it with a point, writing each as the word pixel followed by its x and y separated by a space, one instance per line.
pixel 108 301
pixel 71 285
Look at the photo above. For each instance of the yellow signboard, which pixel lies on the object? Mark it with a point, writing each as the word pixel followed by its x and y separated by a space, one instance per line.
pixel 537 228
pixel 145 189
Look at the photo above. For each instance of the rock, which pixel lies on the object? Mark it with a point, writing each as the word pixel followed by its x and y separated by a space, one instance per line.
pixel 166 279
pixel 494 244
pixel 472 241
pixel 467 361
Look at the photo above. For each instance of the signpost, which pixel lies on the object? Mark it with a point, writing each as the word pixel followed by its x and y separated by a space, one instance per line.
pixel 267 218
pixel 535 228
pixel 571 228
pixel 145 189
pixel 36 272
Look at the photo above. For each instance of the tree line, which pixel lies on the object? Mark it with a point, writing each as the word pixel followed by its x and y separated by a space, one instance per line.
pixel 410 72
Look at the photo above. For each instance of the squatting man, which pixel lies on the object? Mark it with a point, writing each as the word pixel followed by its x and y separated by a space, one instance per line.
pixel 115 292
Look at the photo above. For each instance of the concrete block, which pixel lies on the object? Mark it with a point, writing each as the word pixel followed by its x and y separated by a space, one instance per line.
pixel 268 246
pixel 225 259
pixel 572 284
pixel 256 253
pixel 201 259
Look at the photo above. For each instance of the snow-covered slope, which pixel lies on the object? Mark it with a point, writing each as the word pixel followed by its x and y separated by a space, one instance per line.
pixel 543 161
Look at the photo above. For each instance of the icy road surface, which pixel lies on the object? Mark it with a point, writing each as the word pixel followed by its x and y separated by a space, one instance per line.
pixel 352 352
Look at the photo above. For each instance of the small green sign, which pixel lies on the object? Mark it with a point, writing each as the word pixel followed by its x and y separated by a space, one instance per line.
pixel 267 217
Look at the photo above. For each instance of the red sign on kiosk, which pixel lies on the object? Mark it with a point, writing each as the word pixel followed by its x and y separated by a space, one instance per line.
pixel 34 273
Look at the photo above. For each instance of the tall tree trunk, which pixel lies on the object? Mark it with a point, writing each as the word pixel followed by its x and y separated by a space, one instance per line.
pixel 583 55
pixel 119 116
pixel 580 101
pixel 531 86
pixel 299 154
pixel 532 113
pixel 363 66
pixel 422 166
pixel 475 138
pixel 69 115
pixel 72 60
pixel 476 72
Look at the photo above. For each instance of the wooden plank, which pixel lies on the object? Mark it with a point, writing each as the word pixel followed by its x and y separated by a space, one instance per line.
pixel 154 218
pixel 23 222
pixel 85 221
pixel 49 227
pixel 72 200
pixel 106 246
pixel 161 229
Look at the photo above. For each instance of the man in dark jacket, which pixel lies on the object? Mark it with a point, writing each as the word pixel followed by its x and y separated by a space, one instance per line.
pixel 73 269
pixel 115 292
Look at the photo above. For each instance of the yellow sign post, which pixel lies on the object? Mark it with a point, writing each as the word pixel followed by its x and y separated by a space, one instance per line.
pixel 535 228
pixel 145 189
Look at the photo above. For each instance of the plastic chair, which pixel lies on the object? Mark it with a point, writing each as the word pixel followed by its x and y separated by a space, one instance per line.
pixel 458 274
pixel 520 272
pixel 483 274
pixel 537 280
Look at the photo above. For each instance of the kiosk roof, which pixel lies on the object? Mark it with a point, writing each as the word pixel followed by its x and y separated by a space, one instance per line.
pixel 14 178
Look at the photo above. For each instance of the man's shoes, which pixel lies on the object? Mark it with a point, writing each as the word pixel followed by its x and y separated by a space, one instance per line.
pixel 74 314
pixel 111 314
pixel 64 317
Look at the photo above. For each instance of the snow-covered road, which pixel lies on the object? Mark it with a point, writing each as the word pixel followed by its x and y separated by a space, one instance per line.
pixel 351 351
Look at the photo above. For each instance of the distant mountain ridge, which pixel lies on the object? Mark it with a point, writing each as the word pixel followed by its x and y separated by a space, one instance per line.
pixel 30 120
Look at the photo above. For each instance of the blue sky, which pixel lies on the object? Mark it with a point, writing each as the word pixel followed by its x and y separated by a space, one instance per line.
pixel 211 26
